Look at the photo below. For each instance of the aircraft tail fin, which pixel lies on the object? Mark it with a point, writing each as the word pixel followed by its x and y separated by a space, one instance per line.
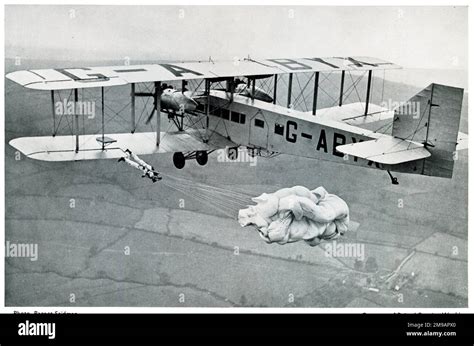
pixel 431 118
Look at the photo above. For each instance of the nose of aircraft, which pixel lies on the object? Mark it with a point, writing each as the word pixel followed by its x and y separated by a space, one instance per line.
pixel 184 100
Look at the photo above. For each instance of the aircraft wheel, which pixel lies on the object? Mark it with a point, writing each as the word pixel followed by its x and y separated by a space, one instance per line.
pixel 201 157
pixel 178 160
pixel 252 152
pixel 233 153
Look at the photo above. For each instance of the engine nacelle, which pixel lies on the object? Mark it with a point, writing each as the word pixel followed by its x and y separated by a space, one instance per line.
pixel 177 101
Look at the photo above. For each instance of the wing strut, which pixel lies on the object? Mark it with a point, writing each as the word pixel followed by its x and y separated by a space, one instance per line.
pixel 76 118
pixel 132 94
pixel 275 83
pixel 367 97
pixel 341 92
pixel 315 92
pixel 102 114
pixel 253 88
pixel 157 106
pixel 54 113
pixel 290 85
pixel 208 107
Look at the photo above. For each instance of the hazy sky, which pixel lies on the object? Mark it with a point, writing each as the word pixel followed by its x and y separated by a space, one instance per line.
pixel 419 37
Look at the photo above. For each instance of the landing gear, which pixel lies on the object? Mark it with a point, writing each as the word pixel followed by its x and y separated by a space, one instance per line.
pixel 179 160
pixel 394 179
pixel 253 152
pixel 178 120
pixel 201 157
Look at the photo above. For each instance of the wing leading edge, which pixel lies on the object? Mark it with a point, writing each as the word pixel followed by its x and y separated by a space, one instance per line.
pixel 386 150
pixel 92 77
pixel 62 148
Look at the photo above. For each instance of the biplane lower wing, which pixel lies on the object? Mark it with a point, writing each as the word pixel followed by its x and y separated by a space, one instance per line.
pixel 386 150
pixel 62 148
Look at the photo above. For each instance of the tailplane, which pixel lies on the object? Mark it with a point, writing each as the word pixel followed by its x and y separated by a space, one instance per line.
pixel 431 118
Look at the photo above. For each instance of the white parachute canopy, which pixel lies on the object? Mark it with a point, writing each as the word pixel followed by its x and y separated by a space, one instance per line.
pixel 297 213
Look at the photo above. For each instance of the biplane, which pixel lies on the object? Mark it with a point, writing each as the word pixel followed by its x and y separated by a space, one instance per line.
pixel 237 113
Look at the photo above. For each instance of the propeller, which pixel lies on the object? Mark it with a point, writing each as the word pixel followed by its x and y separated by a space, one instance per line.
pixel 163 86
pixel 151 114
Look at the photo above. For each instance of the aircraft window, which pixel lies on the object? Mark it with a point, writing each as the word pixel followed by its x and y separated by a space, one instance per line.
pixel 225 114
pixel 279 129
pixel 259 123
pixel 235 117
pixel 242 118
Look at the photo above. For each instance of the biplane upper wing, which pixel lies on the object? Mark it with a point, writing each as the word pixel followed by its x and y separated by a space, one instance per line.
pixel 91 77
pixel 386 150
pixel 62 148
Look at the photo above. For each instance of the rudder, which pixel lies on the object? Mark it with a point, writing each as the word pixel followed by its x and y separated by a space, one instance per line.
pixel 431 118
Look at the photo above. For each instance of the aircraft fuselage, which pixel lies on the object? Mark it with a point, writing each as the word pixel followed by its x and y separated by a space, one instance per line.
pixel 263 125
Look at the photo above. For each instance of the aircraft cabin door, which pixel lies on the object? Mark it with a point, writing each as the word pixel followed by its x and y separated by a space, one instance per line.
pixel 259 128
